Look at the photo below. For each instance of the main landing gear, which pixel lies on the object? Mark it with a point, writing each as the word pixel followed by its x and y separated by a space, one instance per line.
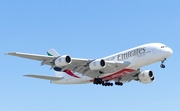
pixel 106 83
pixel 119 83
pixel 162 63
pixel 99 81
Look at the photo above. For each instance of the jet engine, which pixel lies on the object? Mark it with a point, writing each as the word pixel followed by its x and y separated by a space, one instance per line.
pixel 63 61
pixel 97 64
pixel 146 76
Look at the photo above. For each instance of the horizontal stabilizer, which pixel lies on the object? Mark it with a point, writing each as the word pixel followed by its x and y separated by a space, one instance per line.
pixel 44 77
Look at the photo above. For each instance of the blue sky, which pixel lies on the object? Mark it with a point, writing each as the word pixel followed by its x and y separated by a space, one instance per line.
pixel 86 29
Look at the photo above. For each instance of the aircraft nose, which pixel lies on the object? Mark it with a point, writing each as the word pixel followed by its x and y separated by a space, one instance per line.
pixel 168 51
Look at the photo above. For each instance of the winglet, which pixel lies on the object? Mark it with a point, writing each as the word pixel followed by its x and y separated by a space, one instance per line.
pixel 49 54
pixel 52 52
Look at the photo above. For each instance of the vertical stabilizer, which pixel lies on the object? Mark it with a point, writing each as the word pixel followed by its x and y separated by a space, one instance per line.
pixel 52 52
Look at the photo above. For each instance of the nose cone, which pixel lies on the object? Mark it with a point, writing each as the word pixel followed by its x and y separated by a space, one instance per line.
pixel 168 51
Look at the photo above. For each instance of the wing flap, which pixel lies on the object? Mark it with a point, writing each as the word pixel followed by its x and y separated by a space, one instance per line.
pixel 55 78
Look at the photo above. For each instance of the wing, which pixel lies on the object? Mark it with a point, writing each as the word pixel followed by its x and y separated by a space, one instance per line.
pixel 83 67
pixel 46 59
pixel 129 77
pixel 77 65
pixel 44 77
pixel 31 56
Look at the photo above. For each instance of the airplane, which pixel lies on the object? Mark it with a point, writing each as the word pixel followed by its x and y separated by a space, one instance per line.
pixel 119 68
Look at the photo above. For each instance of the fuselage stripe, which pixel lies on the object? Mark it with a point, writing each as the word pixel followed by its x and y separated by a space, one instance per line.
pixel 118 74
pixel 71 74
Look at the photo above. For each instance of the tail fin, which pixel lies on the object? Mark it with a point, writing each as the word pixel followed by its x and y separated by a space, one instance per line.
pixel 52 52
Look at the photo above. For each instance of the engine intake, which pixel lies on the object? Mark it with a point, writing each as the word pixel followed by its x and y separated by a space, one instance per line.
pixel 63 61
pixel 146 76
pixel 97 64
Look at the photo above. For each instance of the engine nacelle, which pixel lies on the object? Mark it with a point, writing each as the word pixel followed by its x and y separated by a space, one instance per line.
pixel 63 61
pixel 146 76
pixel 97 64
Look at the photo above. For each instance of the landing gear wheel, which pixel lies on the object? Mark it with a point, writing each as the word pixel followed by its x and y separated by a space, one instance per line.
pixel 97 81
pixel 111 84
pixel 119 83
pixel 106 83
pixel 162 66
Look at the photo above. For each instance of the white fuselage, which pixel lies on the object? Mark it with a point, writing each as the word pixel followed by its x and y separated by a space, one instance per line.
pixel 138 57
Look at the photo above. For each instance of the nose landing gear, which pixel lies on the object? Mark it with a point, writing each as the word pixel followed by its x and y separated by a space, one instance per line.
pixel 162 63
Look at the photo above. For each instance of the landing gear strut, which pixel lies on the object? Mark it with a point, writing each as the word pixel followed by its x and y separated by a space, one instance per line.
pixel 162 63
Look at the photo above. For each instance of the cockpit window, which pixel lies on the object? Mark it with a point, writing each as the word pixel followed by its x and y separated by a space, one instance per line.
pixel 163 46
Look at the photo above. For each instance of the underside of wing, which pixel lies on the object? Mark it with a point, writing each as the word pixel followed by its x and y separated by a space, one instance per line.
pixel 129 77
pixel 31 56
pixel 49 60
pixel 83 68
pixel 44 77
pixel 79 65
pixel 115 66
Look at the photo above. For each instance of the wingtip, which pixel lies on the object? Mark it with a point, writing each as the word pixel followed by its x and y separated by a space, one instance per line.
pixel 26 75
pixel 10 53
pixel 7 53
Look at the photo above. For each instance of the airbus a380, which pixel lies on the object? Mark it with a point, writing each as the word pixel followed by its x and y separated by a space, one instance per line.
pixel 121 67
